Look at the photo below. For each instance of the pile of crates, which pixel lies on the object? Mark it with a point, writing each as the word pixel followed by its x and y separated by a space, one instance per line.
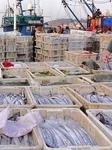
pixel 51 47
pixel 83 40
pixel 10 49
pixel 2 49
pixel 78 57
pixel 7 48
pixel 24 48
pixel 17 48
pixel 104 41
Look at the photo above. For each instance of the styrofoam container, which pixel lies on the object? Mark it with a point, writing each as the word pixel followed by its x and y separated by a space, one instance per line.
pixel 36 140
pixel 78 90
pixel 53 90
pixel 92 115
pixel 85 122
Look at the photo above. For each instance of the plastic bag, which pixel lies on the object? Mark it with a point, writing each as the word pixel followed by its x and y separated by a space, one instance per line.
pixel 3 117
pixel 24 125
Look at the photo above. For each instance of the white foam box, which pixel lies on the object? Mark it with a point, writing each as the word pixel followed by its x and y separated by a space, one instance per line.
pixel 92 115
pixel 85 122
pixel 37 142
pixel 78 90
pixel 53 90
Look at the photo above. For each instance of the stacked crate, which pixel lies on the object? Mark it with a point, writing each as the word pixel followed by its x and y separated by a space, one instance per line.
pixel 51 47
pixel 10 49
pixel 2 49
pixel 78 57
pixel 104 41
pixel 24 48
pixel 76 43
pixel 39 47
pixel 83 40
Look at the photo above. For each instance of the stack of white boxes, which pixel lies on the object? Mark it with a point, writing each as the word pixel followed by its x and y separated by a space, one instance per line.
pixel 2 49
pixel 10 49
pixel 51 47
pixel 24 48
pixel 83 41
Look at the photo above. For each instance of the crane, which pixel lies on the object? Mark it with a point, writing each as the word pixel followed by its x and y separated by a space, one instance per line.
pixel 66 5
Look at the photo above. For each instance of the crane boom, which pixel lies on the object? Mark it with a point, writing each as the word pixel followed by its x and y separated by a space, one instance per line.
pixel 66 5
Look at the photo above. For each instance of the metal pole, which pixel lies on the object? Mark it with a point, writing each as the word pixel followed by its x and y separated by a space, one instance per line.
pixel 15 3
pixel 93 7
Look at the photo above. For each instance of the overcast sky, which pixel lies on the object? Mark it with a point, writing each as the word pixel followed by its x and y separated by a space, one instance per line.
pixel 53 9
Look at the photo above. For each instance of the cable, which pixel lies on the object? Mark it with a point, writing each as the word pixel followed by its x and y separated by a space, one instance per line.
pixel 59 10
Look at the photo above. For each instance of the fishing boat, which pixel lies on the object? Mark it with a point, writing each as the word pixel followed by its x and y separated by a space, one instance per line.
pixel 104 21
pixel 24 23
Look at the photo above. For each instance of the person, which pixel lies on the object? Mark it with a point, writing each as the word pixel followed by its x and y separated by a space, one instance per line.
pixel 109 31
pixel 93 23
pixel 38 29
pixel 107 52
pixel 88 21
pixel 67 30
pixel 59 30
pixel 98 13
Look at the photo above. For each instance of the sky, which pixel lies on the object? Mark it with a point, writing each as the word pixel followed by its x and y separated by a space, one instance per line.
pixel 53 9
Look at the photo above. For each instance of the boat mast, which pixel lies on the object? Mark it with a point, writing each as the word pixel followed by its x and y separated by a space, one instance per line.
pixel 15 3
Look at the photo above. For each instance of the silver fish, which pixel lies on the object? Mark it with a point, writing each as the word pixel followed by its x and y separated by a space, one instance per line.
pixel 107 66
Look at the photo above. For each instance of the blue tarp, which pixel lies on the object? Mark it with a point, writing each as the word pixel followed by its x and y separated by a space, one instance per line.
pixel 107 22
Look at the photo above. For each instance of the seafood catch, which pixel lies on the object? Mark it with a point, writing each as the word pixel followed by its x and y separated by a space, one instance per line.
pixel 96 98
pixel 13 99
pixel 107 66
pixel 61 133
pixel 104 119
pixel 56 99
